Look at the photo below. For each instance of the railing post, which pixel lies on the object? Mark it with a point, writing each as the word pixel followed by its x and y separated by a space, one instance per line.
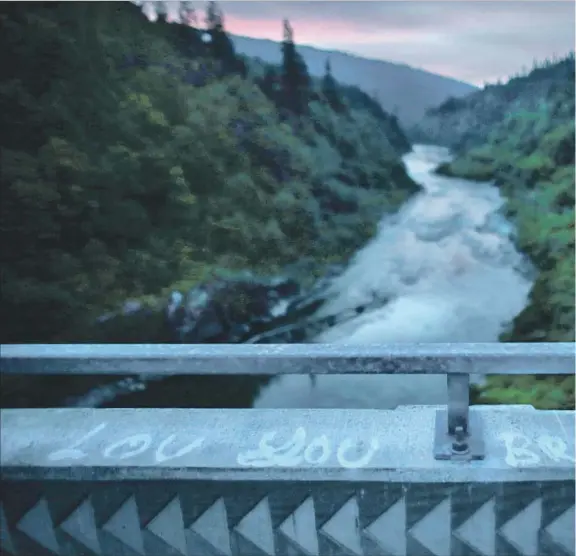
pixel 458 431
pixel 458 403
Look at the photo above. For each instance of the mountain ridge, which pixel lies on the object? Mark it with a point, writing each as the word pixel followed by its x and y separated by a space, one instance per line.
pixel 425 89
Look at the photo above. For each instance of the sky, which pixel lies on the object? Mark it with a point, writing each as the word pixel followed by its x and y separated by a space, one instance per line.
pixel 476 41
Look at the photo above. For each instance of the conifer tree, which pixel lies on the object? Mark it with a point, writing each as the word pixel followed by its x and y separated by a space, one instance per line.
pixel 220 43
pixel 330 89
pixel 159 8
pixel 296 82
pixel 188 14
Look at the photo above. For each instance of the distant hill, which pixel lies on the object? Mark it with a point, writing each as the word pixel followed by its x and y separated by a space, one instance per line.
pixel 407 91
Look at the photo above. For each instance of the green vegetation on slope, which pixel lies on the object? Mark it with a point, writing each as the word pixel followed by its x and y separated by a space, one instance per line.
pixel 522 135
pixel 136 154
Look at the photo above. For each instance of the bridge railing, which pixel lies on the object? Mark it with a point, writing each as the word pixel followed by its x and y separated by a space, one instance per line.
pixel 288 482
pixel 458 431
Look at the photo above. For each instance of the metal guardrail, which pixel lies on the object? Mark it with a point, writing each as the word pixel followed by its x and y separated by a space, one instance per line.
pixel 458 430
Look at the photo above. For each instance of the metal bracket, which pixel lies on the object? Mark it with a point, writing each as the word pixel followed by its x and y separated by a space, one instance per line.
pixel 458 435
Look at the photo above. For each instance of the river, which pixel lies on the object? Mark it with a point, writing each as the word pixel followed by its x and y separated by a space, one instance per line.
pixel 448 261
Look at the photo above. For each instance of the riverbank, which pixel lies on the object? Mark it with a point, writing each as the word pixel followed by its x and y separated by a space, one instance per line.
pixel 544 232
pixel 520 135
pixel 546 237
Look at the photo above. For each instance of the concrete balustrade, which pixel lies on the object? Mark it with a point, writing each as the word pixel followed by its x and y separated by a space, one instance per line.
pixel 198 482
pixel 251 482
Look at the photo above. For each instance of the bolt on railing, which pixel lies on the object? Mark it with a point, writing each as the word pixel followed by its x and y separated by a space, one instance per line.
pixel 458 431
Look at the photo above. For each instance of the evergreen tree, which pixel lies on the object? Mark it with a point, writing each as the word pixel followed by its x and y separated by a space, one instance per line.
pixel 159 8
pixel 220 43
pixel 188 37
pixel 213 17
pixel 188 14
pixel 330 89
pixel 296 82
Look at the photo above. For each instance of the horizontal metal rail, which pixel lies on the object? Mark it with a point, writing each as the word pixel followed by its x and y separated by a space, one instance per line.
pixel 269 359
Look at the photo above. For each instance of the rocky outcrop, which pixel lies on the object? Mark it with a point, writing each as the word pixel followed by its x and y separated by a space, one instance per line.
pixel 233 309
pixel 236 309
pixel 229 310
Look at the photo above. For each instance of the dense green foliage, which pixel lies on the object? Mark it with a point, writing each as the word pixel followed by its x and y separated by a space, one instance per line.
pixel 550 392
pixel 522 135
pixel 136 154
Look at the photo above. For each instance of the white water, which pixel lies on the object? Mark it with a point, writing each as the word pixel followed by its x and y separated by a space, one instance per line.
pixel 454 275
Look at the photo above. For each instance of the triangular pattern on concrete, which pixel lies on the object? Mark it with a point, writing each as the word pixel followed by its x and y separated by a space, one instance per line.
pixel 124 525
pixel 561 530
pixel 522 530
pixel 433 531
pixel 168 525
pixel 389 530
pixel 81 526
pixel 300 528
pixel 212 526
pixel 256 527
pixel 37 524
pixel 342 528
pixel 479 530
pixel 6 543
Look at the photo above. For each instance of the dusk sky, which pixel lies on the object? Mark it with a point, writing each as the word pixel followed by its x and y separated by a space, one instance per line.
pixel 471 40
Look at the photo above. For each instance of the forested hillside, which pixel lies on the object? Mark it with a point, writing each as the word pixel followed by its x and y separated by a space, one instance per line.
pixel 545 93
pixel 137 154
pixel 521 134
pixel 405 90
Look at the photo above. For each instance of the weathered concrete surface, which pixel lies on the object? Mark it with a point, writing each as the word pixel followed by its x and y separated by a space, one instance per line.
pixel 522 444
pixel 217 482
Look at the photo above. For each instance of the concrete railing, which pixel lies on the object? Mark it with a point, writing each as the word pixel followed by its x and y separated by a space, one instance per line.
pixel 415 481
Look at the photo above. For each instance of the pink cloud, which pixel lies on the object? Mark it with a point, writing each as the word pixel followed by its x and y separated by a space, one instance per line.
pixel 330 34
pixel 305 31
